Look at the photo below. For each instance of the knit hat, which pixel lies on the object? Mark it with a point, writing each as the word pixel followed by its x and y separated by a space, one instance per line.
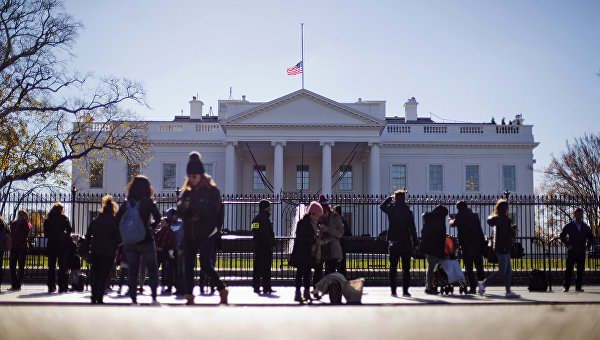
pixel 263 204
pixel 315 208
pixel 195 166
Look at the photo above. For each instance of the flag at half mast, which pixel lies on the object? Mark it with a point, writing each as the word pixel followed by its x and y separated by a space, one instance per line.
pixel 296 69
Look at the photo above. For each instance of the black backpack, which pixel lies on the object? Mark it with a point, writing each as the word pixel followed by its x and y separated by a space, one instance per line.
pixel 537 281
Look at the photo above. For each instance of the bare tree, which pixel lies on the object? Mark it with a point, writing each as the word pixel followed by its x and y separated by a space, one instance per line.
pixel 50 115
pixel 575 174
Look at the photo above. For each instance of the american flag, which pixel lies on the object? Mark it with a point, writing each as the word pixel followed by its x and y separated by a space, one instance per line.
pixel 296 69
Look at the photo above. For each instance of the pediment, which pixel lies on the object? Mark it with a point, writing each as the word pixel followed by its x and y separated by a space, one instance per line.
pixel 303 108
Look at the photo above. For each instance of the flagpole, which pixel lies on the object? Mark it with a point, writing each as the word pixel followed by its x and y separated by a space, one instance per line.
pixel 302 38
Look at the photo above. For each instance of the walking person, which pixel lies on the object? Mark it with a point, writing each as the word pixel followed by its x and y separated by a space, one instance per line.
pixel 577 237
pixel 57 229
pixel 202 211
pixel 136 211
pixel 165 248
pixel 472 242
pixel 103 235
pixel 401 237
pixel 433 243
pixel 4 247
pixel 305 251
pixel 19 232
pixel 347 233
pixel 263 235
pixel 504 233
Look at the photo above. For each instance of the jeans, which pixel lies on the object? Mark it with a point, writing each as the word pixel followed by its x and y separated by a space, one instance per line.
pixel 395 254
pixel 504 270
pixel 133 253
pixel 574 257
pixel 63 277
pixel 17 256
pixel 101 267
pixel 206 249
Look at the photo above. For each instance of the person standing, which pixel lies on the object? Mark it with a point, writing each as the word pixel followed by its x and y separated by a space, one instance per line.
pixel 19 232
pixel 577 237
pixel 347 233
pixel 401 237
pixel 140 196
pixel 57 229
pixel 175 275
pixel 304 253
pixel 503 241
pixel 103 235
pixel 472 242
pixel 202 211
pixel 4 246
pixel 433 242
pixel 262 231
pixel 331 229
pixel 165 251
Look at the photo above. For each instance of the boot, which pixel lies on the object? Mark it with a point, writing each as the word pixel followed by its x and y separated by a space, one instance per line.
pixel 298 297
pixel 190 299
pixel 223 293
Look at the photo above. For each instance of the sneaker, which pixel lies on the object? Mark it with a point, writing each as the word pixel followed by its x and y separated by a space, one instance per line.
pixel 223 293
pixel 155 303
pixel 189 299
pixel 480 288
pixel 512 295
pixel 565 290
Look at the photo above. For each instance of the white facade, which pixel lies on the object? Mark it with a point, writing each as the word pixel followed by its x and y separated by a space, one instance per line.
pixel 303 130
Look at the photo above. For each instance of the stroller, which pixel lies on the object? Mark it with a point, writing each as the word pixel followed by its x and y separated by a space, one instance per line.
pixel 447 273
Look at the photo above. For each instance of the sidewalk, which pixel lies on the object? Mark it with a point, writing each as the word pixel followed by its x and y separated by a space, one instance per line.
pixel 37 294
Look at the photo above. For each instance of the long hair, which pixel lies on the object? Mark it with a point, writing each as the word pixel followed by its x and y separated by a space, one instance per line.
pixel 23 212
pixel 501 208
pixel 205 182
pixel 108 205
pixel 57 209
pixel 139 187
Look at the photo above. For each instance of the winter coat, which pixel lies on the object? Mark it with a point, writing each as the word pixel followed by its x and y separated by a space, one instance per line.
pixel 303 253
pixel 331 250
pixel 402 230
pixel 57 229
pixel 470 234
pixel 103 235
pixel 177 228
pixel 433 235
pixel 579 239
pixel 205 214
pixel 19 232
pixel 164 238
pixel 262 230
pixel 147 207
pixel 503 233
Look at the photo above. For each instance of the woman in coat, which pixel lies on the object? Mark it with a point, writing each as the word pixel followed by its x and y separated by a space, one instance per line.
pixel 19 232
pixel 140 194
pixel 304 254
pixel 103 235
pixel 433 242
pixel 57 229
pixel 503 241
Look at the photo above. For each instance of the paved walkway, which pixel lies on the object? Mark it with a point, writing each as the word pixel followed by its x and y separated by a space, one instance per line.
pixel 244 296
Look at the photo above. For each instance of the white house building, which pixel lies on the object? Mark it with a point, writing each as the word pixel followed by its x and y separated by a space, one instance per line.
pixel 304 142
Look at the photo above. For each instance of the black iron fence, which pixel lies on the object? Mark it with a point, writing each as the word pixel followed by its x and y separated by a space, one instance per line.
pixel 539 220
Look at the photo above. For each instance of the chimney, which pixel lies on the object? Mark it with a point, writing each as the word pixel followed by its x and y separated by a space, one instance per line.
pixel 196 108
pixel 410 109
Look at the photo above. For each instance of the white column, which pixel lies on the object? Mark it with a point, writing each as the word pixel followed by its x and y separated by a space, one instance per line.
pixel 374 169
pixel 230 173
pixel 278 167
pixel 326 169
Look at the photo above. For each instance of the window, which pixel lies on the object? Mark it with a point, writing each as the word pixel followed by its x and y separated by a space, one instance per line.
pixel 209 169
pixel 436 181
pixel 133 169
pixel 257 182
pixel 508 178
pixel 96 176
pixel 472 178
pixel 169 174
pixel 398 177
pixel 302 177
pixel 345 178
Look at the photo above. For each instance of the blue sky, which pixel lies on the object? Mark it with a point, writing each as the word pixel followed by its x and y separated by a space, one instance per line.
pixel 462 60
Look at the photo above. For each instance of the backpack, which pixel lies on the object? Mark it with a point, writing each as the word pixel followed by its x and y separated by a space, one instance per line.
pixel 131 226
pixel 537 281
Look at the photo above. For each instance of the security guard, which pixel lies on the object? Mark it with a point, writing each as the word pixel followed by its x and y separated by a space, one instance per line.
pixel 262 230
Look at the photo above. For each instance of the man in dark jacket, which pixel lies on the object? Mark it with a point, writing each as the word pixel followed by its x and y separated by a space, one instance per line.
pixel 401 237
pixel 472 242
pixel 57 229
pixel 433 241
pixel 262 230
pixel 577 237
